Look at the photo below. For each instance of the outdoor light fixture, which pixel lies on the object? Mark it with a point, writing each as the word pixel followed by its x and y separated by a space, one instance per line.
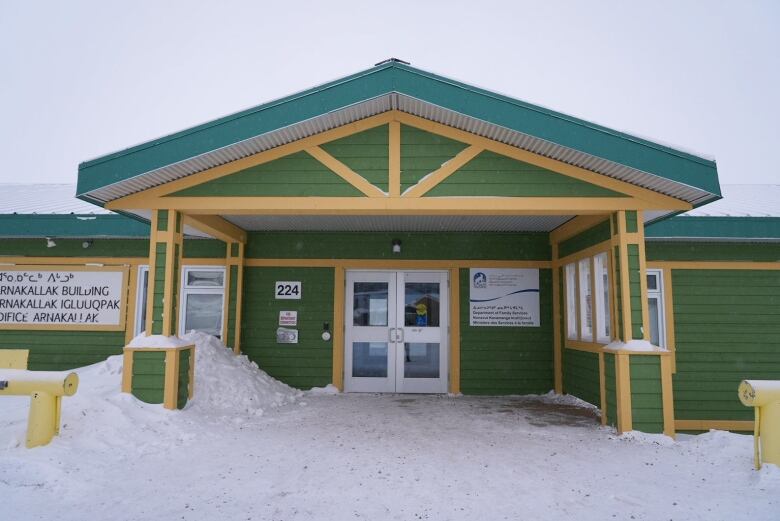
pixel 86 244
pixel 396 245
pixel 50 242
pixel 326 331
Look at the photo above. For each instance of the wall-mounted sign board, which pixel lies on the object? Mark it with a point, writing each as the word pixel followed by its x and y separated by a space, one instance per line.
pixel 504 297
pixel 288 318
pixel 286 289
pixel 63 297
pixel 286 336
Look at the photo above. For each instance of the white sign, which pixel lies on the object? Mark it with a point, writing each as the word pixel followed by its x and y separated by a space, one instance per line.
pixel 288 318
pixel 286 289
pixel 286 336
pixel 504 297
pixel 63 297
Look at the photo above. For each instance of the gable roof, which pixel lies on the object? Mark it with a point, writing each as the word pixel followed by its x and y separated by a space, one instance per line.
pixel 396 86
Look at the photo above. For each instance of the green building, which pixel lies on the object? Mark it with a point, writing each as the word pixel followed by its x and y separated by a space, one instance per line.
pixel 397 231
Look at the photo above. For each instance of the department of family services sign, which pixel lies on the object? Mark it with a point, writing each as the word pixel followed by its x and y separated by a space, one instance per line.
pixel 504 297
pixel 65 297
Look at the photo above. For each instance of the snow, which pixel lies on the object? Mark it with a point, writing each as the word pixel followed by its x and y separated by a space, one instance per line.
pixel 157 342
pixel 249 447
pixel 639 346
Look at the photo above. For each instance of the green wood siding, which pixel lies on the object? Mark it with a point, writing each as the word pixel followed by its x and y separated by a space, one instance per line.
pixel 634 283
pixel 507 360
pixel 149 376
pixel 61 350
pixel 308 363
pixel 712 251
pixel 366 153
pixel 75 248
pixel 159 288
pixel 184 378
pixel 590 237
pixel 204 249
pixel 727 328
pixel 610 388
pixel 646 397
pixel 231 310
pixel 581 375
pixel 427 246
pixel 296 175
pixel 422 153
pixel 491 174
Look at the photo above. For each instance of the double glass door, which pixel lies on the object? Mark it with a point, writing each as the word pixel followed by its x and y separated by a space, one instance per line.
pixel 396 332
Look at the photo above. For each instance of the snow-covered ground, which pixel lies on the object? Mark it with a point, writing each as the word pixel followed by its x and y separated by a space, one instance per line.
pixel 250 448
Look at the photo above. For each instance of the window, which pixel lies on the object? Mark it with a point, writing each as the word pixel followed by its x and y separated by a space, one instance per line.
pixel 202 299
pixel 140 305
pixel 588 315
pixel 655 307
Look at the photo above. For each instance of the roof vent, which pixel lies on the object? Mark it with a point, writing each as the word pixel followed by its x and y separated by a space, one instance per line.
pixel 392 60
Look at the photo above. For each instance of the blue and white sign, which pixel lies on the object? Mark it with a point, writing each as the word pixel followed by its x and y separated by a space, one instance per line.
pixel 504 297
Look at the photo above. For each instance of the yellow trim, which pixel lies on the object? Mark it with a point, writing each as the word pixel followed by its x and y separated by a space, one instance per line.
pixel 659 201
pixel 643 276
pixel 465 205
pixel 74 327
pixel 705 425
pixel 345 172
pixel 202 261
pixel 337 334
pixel 226 295
pixel 557 313
pixel 394 160
pixel 669 316
pixel 623 392
pixel 69 261
pixel 578 345
pixel 602 389
pixel 393 264
pixel 454 383
pixel 260 158
pixel 152 262
pixel 171 386
pixel 575 226
pixel 447 169
pixel 667 394
pixel 625 284
pixel 604 246
pixel 127 371
pixel 714 265
pixel 239 298
pixel 172 238
pixel 215 226
pixel 130 309
pixel 577 303
pixel 613 326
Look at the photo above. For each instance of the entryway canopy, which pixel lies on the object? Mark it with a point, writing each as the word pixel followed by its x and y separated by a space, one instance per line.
pixel 396 148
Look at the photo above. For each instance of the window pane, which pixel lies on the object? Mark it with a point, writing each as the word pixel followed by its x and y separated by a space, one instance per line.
pixel 586 301
pixel 652 281
pixel 603 333
pixel 655 338
pixel 369 307
pixel 203 312
pixel 144 290
pixel 421 360
pixel 571 306
pixel 369 359
pixel 205 279
pixel 421 306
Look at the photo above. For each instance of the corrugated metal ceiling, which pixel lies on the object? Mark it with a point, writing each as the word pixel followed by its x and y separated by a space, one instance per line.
pixel 405 104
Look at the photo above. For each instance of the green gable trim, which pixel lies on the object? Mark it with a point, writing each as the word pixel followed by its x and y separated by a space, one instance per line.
pixel 71 225
pixel 394 77
pixel 422 153
pixel 366 153
pixel 296 175
pixel 712 251
pixel 590 237
pixel 491 174
pixel 719 228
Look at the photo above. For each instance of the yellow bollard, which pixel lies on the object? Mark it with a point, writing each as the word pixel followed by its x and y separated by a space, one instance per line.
pixel 46 389
pixel 764 396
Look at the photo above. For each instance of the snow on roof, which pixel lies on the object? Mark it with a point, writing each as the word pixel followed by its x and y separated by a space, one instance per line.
pixel 743 201
pixel 46 198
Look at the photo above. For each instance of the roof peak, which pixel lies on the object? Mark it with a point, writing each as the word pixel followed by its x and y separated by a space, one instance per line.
pixel 392 60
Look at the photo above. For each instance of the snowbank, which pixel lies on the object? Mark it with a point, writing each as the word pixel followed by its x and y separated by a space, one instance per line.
pixel 157 341
pixel 641 346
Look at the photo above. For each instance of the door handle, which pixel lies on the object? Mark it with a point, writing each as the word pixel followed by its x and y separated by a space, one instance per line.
pixel 390 335
pixel 401 340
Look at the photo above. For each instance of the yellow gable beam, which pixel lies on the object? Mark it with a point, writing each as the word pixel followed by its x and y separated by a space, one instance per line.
pixel 394 159
pixel 216 226
pixel 575 226
pixel 345 172
pixel 397 205
pixel 661 201
pixel 446 170
pixel 140 199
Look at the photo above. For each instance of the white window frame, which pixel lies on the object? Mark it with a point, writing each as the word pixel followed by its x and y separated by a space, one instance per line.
pixel 602 301
pixel 570 299
pixel 659 295
pixel 583 277
pixel 140 296
pixel 186 290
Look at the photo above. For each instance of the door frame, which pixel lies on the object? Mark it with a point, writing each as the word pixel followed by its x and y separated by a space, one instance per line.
pixel 448 314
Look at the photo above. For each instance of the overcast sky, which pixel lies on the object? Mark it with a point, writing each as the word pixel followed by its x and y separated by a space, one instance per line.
pixel 81 79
